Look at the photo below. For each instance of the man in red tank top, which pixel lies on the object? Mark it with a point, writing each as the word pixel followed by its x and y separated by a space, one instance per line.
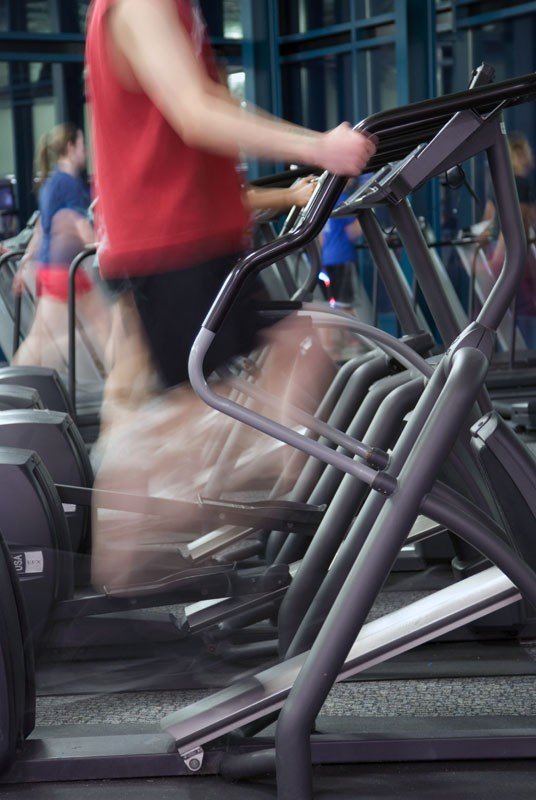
pixel 171 216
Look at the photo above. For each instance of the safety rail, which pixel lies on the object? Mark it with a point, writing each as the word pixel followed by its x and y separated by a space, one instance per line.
pixel 5 259
pixel 71 322
pixel 415 131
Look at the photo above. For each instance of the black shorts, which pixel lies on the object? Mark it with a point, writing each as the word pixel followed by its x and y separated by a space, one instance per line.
pixel 173 305
pixel 115 287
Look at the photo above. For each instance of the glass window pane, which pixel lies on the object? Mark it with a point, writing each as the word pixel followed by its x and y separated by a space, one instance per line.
pixel 25 15
pixel 318 93
pixel 445 66
pixel 82 13
pixel 224 18
pixel 7 158
pixel 376 74
pixel 4 76
pixel 71 17
pixel 232 20
pixel 38 17
pixel 4 15
pixel 507 45
pixel 372 8
pixel 29 81
pixel 43 117
pixel 31 92
pixel 300 16
pixel 8 222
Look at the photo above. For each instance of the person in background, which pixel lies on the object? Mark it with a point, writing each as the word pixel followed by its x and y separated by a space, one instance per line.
pixel 172 221
pixel 62 230
pixel 338 278
pixel 338 256
pixel 522 158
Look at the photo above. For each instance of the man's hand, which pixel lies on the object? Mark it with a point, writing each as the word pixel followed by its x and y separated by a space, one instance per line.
pixel 343 151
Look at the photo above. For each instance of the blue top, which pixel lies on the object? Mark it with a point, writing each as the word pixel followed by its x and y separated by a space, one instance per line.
pixel 337 248
pixel 61 191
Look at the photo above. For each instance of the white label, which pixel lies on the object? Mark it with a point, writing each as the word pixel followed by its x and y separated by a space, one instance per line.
pixel 35 563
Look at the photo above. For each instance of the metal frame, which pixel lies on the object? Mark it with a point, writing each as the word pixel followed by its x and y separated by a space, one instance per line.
pixel 384 523
pixel 403 489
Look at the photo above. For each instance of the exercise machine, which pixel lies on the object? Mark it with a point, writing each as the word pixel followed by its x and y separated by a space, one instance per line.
pixel 404 484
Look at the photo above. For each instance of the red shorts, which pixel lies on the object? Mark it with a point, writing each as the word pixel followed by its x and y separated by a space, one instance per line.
pixel 54 282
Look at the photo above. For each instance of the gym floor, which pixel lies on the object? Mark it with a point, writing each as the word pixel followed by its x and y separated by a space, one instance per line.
pixel 440 781
pixel 461 684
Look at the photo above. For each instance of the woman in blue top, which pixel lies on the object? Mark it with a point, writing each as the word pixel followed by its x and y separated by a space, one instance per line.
pixel 62 231
pixel 63 227
pixel 338 256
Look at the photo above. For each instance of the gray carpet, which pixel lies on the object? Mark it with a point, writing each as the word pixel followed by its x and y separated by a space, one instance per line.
pixel 512 694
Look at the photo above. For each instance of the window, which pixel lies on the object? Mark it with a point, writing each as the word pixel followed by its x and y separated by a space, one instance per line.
pixel 232 20
pixel 376 75
pixel 373 8
pixel 506 45
pixel 42 16
pixel 300 16
pixel 318 93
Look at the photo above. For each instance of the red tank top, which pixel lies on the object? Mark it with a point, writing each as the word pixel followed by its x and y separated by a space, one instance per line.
pixel 156 211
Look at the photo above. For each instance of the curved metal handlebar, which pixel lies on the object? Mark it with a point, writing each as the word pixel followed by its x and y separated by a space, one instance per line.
pixel 414 125
pixel 399 131
pixel 71 322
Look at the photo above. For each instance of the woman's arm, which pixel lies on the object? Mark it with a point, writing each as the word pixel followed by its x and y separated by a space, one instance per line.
pixel 85 230
pixel 278 198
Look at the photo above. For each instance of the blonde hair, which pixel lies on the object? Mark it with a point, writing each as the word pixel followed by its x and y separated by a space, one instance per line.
pixel 520 151
pixel 52 146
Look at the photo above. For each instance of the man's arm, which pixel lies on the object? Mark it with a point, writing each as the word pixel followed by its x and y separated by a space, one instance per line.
pixel 151 39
